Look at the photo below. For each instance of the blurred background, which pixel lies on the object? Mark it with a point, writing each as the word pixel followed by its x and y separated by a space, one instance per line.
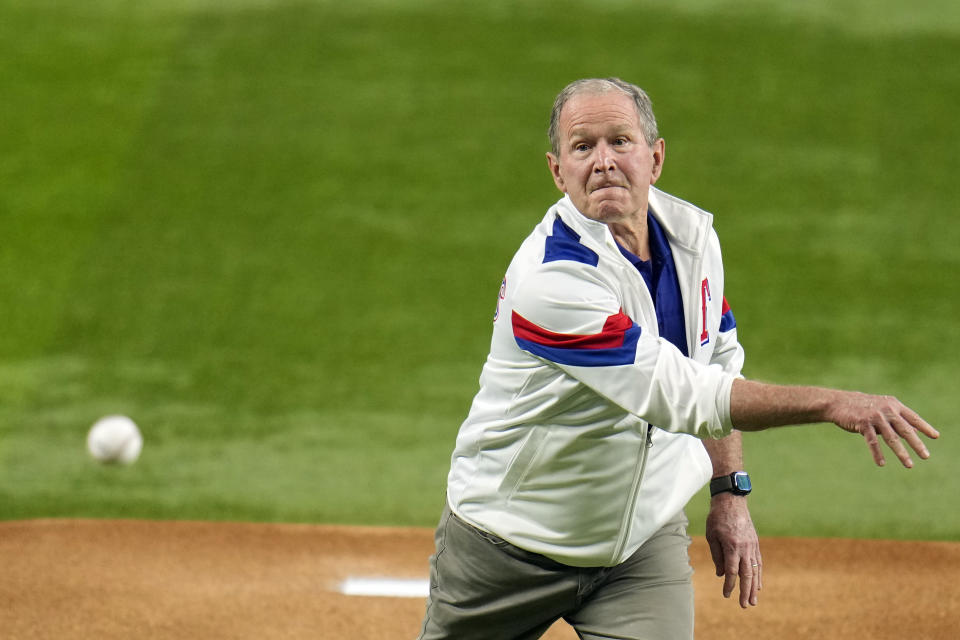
pixel 273 234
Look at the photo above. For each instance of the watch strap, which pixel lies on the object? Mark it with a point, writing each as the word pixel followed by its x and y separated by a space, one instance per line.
pixel 720 485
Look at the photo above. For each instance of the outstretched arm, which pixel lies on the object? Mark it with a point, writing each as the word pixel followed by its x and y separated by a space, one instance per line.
pixel 756 405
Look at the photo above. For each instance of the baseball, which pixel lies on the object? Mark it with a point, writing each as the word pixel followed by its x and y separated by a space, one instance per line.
pixel 115 439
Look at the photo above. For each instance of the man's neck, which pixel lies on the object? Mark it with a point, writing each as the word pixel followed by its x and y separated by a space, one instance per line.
pixel 633 235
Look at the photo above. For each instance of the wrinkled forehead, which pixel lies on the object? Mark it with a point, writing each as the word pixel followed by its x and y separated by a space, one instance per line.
pixel 593 110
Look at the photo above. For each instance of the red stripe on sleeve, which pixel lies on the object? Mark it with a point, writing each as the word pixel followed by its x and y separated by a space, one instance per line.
pixel 610 337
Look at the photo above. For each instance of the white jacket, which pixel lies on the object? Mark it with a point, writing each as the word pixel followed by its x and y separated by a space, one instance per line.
pixel 556 455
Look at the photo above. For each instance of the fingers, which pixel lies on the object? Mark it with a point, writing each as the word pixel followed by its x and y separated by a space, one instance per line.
pixel 749 569
pixel 731 571
pixel 870 435
pixel 918 423
pixel 716 552
pixel 909 433
pixel 892 438
pixel 895 426
pixel 750 582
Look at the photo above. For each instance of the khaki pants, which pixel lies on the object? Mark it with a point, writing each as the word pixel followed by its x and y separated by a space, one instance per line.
pixel 483 588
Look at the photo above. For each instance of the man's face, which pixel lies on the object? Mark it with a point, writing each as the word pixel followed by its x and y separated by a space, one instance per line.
pixel 605 164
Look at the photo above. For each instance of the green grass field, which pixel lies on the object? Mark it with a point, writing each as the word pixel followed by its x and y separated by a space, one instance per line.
pixel 273 233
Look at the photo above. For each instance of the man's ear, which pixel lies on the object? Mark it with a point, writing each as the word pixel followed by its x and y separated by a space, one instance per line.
pixel 659 153
pixel 554 165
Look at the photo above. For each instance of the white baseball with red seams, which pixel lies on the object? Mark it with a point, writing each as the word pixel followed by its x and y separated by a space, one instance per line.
pixel 115 439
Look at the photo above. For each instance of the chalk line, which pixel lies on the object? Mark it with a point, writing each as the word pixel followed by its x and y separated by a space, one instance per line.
pixel 385 587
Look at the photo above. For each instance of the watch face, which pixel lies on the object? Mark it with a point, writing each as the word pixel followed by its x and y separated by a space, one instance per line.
pixel 742 482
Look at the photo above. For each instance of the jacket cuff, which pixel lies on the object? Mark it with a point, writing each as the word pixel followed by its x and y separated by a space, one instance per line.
pixel 723 404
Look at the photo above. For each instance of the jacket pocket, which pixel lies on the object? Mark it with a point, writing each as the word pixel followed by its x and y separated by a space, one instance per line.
pixel 524 460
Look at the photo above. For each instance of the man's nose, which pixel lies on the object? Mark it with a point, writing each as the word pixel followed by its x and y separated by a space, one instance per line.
pixel 604 160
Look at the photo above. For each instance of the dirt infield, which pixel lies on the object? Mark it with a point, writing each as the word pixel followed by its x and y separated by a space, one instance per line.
pixel 69 579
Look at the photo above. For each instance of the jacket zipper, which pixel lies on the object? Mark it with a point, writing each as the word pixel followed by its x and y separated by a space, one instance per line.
pixel 646 304
pixel 626 525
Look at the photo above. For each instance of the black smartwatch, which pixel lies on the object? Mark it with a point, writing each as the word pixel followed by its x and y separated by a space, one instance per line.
pixel 737 483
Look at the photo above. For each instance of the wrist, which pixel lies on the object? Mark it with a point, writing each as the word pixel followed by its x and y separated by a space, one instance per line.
pixel 727 499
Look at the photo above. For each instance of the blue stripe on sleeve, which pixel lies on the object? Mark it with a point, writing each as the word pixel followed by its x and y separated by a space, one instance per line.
pixel 727 321
pixel 612 357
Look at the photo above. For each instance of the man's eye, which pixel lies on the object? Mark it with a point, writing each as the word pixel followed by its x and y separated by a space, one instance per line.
pixel 581 147
pixel 620 141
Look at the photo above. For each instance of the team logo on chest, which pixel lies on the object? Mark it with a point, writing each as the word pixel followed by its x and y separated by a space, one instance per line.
pixel 704 298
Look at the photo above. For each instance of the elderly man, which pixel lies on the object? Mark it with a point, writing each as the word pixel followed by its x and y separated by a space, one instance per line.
pixel 612 393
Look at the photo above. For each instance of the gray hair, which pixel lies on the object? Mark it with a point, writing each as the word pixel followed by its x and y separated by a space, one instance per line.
pixel 600 86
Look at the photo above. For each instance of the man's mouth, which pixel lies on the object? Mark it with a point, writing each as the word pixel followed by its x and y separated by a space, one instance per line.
pixel 605 186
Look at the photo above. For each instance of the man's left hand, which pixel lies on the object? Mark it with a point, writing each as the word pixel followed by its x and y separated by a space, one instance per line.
pixel 735 547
